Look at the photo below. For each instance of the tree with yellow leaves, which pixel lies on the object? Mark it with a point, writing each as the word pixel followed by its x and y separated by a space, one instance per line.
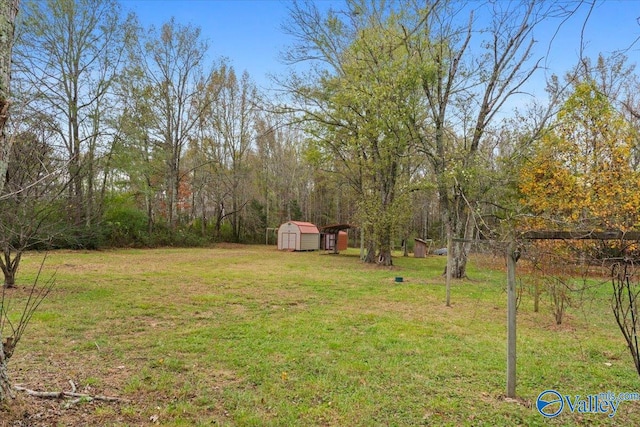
pixel 580 176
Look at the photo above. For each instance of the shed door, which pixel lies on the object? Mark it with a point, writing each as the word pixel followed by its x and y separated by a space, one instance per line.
pixel 289 241
pixel 330 242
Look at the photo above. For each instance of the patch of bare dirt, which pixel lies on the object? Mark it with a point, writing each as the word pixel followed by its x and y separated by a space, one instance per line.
pixel 63 375
pixel 31 411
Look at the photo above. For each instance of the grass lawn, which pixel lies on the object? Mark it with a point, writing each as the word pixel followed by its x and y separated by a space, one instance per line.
pixel 250 336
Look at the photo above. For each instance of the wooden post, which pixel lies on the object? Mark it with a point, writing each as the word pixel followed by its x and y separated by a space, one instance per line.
pixel 512 258
pixel 449 263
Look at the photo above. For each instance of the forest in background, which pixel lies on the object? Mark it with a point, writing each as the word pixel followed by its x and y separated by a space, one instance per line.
pixel 401 126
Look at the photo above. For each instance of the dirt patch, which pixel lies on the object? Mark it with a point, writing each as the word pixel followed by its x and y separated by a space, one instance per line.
pixel 31 411
pixel 60 373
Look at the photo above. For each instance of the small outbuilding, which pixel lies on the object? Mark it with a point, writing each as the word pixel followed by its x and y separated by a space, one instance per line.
pixel 421 247
pixel 298 236
pixel 334 237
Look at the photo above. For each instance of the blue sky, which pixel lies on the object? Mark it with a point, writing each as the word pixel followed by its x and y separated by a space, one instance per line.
pixel 249 34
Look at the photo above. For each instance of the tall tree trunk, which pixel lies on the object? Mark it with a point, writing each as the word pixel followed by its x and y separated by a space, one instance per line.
pixel 7 20
pixel 8 13
pixel 176 182
pixel 149 215
pixel 370 256
pixel 172 194
pixel 384 255
pixel 219 218
pixel 76 162
pixel 148 199
pixel 204 219
pixel 235 216
pixel 463 232
pixel 89 208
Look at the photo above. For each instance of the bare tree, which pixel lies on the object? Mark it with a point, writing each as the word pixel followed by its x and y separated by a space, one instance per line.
pixel 68 54
pixel 625 306
pixel 29 204
pixel 477 71
pixel 171 61
pixel 281 172
pixel 230 122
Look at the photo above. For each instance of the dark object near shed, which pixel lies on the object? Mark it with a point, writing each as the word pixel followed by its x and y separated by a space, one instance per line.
pixel 421 247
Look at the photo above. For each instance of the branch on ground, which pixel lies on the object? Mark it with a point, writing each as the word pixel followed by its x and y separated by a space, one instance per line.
pixel 68 394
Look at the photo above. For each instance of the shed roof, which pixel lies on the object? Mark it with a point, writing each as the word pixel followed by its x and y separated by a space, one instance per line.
pixel 306 227
pixel 334 229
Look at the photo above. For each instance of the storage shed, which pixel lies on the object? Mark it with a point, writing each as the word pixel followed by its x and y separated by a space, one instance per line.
pixel 421 247
pixel 298 236
pixel 334 237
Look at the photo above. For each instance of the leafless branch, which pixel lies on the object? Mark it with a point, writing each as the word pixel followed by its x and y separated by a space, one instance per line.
pixel 37 294
pixel 65 394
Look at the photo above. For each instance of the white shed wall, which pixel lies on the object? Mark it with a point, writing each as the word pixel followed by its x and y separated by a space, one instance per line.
pixel 289 237
pixel 294 238
pixel 309 242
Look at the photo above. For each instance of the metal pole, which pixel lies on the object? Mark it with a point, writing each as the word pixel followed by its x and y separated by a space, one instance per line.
pixel 449 263
pixel 511 319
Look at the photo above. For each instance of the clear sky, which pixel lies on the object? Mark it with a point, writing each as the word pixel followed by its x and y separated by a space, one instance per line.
pixel 249 32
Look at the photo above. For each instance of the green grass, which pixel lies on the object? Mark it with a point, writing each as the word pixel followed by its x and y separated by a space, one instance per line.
pixel 249 336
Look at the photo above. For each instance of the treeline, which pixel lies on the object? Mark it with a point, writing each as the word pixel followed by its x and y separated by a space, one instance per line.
pixel 131 136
